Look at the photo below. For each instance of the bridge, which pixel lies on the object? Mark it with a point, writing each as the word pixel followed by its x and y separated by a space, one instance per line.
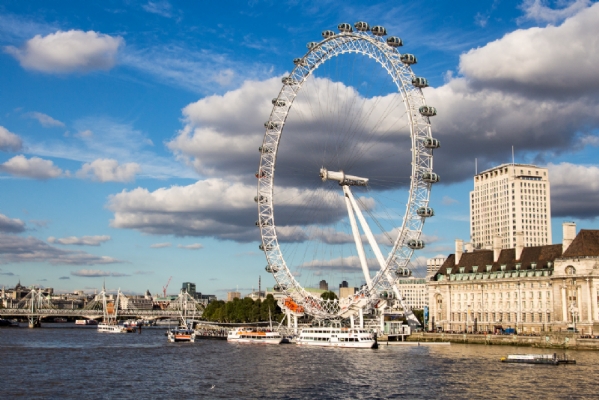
pixel 37 306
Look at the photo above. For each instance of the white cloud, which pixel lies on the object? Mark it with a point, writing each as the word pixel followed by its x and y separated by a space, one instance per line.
pixel 161 7
pixel 44 119
pixel 160 245
pixel 10 225
pixel 9 141
pixel 71 51
pixel 194 246
pixel 80 241
pixel 112 140
pixel 35 168
pixel 86 134
pixel 574 190
pixel 532 59
pixel 15 249
pixel 538 10
pixel 108 170
pixel 96 273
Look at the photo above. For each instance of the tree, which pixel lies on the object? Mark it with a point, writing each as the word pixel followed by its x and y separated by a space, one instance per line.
pixel 329 295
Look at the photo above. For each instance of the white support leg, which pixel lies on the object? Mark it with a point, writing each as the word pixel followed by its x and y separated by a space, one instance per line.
pixel 295 324
pixel 361 314
pixel 351 321
pixel 288 319
pixel 357 239
pixel 371 239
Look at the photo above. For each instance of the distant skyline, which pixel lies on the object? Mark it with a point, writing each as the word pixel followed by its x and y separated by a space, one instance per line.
pixel 129 129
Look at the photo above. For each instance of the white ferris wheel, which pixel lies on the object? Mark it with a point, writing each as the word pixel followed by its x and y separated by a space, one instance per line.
pixel 349 135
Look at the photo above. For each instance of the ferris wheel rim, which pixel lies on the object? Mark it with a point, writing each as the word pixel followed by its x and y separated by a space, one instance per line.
pixel 419 128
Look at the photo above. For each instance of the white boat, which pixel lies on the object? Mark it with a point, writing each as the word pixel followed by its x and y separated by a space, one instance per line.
pixel 109 323
pixel 249 335
pixel 111 328
pixel 336 337
pixel 181 334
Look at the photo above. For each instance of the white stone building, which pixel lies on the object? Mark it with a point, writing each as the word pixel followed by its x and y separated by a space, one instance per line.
pixel 528 289
pixel 414 292
pixel 507 199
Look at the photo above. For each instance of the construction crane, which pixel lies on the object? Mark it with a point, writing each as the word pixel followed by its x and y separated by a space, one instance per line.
pixel 166 286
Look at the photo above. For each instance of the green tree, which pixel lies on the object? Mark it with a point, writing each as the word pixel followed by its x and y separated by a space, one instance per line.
pixel 329 295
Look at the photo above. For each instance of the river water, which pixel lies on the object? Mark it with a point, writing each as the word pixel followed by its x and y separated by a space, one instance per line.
pixel 78 362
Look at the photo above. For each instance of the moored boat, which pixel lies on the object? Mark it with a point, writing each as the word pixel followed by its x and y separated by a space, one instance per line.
pixel 110 328
pixel 550 359
pixel 248 335
pixel 181 334
pixel 336 337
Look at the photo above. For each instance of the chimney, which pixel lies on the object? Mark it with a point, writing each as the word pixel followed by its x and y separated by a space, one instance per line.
pixel 569 235
pixel 519 244
pixel 496 247
pixel 459 245
pixel 469 247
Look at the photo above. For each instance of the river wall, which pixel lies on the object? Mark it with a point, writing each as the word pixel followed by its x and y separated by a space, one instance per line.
pixel 552 340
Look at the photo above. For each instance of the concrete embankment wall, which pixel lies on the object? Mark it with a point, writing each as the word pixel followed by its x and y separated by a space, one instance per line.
pixel 554 340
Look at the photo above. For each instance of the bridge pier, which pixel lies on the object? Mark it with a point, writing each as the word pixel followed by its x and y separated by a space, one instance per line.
pixel 34 321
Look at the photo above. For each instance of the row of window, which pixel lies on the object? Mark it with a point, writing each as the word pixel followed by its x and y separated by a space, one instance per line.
pixel 502 317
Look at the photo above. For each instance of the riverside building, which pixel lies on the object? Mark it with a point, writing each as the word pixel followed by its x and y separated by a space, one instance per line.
pixel 528 289
pixel 507 199
pixel 414 292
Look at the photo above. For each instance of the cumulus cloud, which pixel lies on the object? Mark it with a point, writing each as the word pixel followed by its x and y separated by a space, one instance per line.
pixel 528 61
pixel 80 241
pixel 568 179
pixel 71 51
pixel 96 273
pixel 160 245
pixel 44 119
pixel 15 249
pixel 85 134
pixel 10 225
pixel 109 170
pixel 34 167
pixel 194 246
pixel 540 11
pixel 9 141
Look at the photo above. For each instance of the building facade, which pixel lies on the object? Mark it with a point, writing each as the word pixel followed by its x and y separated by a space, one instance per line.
pixel 507 199
pixel 528 289
pixel 323 285
pixel 433 265
pixel 414 292
pixel 233 295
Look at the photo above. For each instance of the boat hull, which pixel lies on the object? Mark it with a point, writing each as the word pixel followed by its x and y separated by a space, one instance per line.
pixel 104 328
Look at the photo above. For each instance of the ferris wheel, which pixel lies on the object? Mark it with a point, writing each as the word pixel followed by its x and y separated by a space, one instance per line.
pixel 357 135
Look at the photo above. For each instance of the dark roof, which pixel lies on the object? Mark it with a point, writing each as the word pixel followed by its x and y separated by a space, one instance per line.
pixel 481 258
pixel 585 244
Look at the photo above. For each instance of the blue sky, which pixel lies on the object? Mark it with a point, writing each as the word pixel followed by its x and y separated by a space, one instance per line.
pixel 124 126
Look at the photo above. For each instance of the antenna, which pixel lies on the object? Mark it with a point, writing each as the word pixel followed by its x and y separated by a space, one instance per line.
pixel 513 162
pixel 476 166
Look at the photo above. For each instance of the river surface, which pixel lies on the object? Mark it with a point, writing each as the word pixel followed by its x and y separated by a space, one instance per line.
pixel 78 362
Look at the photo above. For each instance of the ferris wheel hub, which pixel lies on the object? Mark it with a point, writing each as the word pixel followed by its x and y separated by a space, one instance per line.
pixel 342 178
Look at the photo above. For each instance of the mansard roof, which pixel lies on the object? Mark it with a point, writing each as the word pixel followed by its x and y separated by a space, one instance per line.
pixel 585 244
pixel 541 255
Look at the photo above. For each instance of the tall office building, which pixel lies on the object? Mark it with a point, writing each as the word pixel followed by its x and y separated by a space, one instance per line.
pixel 323 285
pixel 507 199
pixel 190 288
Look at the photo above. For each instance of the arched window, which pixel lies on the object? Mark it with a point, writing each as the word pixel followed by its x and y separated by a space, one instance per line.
pixel 570 270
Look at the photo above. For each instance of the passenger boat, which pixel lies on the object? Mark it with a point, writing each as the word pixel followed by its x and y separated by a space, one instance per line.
pixel 336 337
pixel 86 322
pixel 248 335
pixel 111 328
pixel 181 334
pixel 551 359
